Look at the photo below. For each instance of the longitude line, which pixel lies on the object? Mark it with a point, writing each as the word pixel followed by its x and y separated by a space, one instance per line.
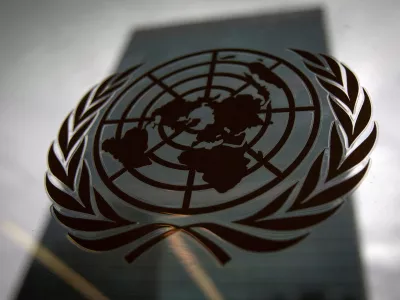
pixel 163 142
pixel 189 186
pixel 164 86
pixel 275 65
pixel 210 75
pixel 117 174
pixel 266 164
pixel 247 84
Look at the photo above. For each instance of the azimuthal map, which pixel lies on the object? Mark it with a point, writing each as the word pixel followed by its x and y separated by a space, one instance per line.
pixel 217 123
pixel 221 123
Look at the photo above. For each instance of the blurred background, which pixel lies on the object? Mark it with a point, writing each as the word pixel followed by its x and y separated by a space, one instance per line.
pixel 51 52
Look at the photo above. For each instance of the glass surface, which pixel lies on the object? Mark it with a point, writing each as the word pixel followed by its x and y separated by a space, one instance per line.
pixel 325 264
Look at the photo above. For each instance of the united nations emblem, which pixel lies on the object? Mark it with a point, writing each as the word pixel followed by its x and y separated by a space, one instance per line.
pixel 221 145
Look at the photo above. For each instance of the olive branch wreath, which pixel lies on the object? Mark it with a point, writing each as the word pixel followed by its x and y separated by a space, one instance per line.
pixel 68 180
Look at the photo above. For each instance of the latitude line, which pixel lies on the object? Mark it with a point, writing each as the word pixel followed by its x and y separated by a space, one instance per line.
pixel 210 75
pixel 270 167
pixel 151 150
pixel 188 192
